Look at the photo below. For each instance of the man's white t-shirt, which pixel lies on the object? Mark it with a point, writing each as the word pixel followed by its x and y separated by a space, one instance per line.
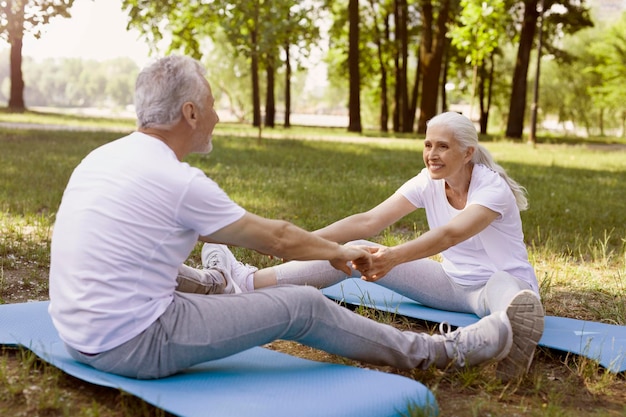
pixel 130 215
pixel 499 247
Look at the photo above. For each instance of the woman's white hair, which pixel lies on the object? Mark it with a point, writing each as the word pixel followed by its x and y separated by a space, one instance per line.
pixel 465 133
pixel 164 86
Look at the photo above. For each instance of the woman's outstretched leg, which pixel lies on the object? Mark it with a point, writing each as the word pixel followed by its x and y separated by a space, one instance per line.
pixel 318 274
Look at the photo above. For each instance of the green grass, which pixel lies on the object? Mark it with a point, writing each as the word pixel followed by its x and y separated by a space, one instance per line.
pixel 575 231
pixel 49 120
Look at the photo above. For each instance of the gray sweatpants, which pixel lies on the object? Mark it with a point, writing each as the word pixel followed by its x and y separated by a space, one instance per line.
pixel 196 328
pixel 423 280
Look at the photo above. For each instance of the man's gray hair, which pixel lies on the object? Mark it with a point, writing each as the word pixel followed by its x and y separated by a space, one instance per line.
pixel 164 86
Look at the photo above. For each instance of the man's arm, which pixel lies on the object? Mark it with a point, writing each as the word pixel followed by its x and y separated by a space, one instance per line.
pixel 286 240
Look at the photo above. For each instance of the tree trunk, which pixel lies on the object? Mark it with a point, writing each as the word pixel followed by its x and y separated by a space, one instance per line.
pixel 517 105
pixel 270 102
pixel 354 105
pixel 15 36
pixel 384 105
pixel 254 63
pixel 416 89
pixel 601 121
pixel 404 43
pixel 444 76
pixel 402 105
pixel 431 57
pixel 287 86
pixel 484 110
pixel 380 36
pixel 396 91
pixel 256 93
pixel 492 71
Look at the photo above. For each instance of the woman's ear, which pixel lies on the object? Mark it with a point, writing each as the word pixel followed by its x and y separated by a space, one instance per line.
pixel 469 152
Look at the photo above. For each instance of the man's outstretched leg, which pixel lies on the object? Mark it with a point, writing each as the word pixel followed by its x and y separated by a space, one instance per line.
pixel 198 328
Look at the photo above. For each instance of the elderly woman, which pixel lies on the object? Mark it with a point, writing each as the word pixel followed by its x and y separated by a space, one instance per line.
pixel 473 211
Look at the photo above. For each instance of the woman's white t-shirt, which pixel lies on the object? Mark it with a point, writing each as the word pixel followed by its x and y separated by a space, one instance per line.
pixel 499 247
pixel 130 215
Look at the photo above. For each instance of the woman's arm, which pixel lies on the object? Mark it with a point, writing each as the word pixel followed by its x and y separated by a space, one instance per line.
pixel 369 223
pixel 468 223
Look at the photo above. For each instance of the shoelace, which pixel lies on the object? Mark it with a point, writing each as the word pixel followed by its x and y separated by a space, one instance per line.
pixel 458 356
pixel 212 261
pixel 445 329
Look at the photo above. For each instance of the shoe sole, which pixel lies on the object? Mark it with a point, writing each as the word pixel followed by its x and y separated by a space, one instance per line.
pixel 526 316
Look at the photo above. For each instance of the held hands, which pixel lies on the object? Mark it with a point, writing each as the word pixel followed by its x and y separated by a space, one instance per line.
pixel 357 255
pixel 373 262
pixel 378 265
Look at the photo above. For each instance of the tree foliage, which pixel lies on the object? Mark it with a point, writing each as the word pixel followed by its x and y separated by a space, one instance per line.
pixel 610 67
pixel 255 29
pixel 584 85
pixel 17 17
pixel 479 31
pixel 31 15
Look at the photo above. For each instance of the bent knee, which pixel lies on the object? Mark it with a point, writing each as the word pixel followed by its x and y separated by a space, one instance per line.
pixel 362 242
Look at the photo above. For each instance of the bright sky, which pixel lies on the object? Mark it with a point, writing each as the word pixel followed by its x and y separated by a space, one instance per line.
pixel 96 30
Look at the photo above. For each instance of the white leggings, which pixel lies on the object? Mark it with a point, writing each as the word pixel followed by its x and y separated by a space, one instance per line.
pixel 423 280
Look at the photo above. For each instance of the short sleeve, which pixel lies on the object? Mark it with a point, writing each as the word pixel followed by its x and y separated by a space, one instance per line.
pixel 206 208
pixel 413 189
pixel 490 190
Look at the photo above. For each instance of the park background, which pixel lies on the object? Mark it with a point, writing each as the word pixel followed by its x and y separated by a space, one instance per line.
pixel 413 59
pixel 575 173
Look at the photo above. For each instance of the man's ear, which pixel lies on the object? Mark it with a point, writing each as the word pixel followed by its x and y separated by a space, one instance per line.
pixel 190 113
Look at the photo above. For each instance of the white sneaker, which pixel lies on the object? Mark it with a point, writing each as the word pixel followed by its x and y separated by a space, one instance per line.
pixel 489 339
pixel 200 281
pixel 526 316
pixel 216 256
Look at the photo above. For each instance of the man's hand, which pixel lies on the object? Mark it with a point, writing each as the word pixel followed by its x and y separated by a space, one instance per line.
pixel 379 265
pixel 358 255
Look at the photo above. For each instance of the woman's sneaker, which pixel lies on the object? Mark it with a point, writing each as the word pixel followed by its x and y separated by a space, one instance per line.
pixel 490 339
pixel 526 316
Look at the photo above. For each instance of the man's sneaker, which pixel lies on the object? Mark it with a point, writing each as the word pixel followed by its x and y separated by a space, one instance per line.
pixel 489 339
pixel 200 281
pixel 526 316
pixel 239 276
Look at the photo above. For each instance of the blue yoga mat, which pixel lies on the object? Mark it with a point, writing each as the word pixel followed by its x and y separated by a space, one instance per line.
pixel 255 383
pixel 605 343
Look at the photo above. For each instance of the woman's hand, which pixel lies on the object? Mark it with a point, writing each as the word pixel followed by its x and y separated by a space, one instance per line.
pixel 382 261
pixel 355 254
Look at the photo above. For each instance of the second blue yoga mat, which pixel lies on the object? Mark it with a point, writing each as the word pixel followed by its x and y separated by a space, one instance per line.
pixel 605 343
